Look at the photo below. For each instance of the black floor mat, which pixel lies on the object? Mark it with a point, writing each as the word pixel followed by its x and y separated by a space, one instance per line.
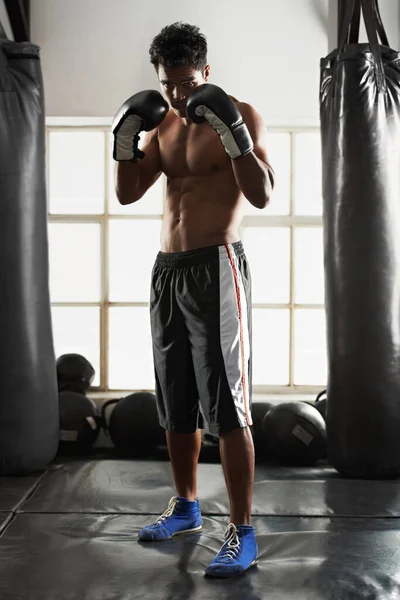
pixel 320 537
pixel 92 557
pixel 13 490
pixel 4 521
pixel 134 487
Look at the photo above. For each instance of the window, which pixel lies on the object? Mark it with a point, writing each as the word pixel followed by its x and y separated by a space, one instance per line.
pixel 285 250
pixel 102 253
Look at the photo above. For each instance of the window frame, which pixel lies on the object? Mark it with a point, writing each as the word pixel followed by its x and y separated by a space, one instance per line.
pixel 292 221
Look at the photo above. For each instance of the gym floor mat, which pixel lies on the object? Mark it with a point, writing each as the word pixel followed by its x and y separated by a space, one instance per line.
pixel 13 490
pixel 74 537
pixel 145 487
pixel 87 557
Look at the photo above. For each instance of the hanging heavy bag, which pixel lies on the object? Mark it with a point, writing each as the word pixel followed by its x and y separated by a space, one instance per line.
pixel 29 416
pixel 360 131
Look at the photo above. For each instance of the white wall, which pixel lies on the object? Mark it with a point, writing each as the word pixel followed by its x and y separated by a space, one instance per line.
pixel 5 21
pixel 390 11
pixel 266 52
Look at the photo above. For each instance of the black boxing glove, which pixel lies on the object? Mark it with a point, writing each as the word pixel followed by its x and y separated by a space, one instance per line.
pixel 210 102
pixel 142 112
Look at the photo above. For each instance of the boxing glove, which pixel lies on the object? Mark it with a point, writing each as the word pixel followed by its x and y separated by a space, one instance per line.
pixel 142 112
pixel 210 102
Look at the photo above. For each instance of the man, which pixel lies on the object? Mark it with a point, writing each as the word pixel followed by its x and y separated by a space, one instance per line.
pixel 212 150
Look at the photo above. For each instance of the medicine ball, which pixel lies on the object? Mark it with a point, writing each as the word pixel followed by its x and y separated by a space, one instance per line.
pixel 133 425
pixel 79 423
pixel 258 412
pixel 74 373
pixel 320 404
pixel 295 434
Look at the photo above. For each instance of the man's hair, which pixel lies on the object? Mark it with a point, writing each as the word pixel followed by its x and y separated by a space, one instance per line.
pixel 179 44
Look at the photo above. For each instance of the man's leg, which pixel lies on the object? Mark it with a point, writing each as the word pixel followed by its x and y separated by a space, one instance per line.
pixel 220 335
pixel 184 450
pixel 177 402
pixel 237 456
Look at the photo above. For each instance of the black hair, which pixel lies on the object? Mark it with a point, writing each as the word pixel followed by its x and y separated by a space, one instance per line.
pixel 179 44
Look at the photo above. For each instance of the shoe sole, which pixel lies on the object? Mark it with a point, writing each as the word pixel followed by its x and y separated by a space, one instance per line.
pixel 227 575
pixel 183 532
pixel 196 530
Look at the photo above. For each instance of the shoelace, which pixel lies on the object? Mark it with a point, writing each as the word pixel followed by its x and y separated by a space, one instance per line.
pixel 167 513
pixel 231 544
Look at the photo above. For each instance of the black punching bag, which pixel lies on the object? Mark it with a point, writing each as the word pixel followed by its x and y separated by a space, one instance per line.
pixel 29 421
pixel 360 129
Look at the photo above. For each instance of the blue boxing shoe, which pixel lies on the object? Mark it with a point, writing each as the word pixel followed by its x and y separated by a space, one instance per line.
pixel 181 516
pixel 238 553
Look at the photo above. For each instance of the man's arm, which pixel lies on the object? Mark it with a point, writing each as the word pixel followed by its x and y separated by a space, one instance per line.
pixel 253 173
pixel 134 178
pixel 243 135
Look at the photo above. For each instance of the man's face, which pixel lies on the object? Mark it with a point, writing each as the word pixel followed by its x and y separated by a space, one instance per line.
pixel 178 83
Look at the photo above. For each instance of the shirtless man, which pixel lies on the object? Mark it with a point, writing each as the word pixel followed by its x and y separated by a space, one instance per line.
pixel 212 150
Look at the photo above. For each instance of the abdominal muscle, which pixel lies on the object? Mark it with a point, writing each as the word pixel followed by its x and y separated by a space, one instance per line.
pixel 201 211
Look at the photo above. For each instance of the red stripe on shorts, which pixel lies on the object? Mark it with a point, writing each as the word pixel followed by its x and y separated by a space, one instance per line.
pixel 239 304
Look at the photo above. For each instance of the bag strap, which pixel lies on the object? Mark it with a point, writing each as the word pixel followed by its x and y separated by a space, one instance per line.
pixel 370 19
pixel 381 28
pixel 3 35
pixel 346 23
pixel 373 24
pixel 354 30
pixel 5 78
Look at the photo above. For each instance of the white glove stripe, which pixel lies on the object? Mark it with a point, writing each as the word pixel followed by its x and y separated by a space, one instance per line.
pixel 124 138
pixel 223 131
pixel 124 147
pixel 130 126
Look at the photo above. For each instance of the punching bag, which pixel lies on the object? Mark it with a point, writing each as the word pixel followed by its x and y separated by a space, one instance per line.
pixel 29 420
pixel 360 130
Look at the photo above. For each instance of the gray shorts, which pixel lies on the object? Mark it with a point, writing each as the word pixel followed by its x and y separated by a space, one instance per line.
pixel 200 309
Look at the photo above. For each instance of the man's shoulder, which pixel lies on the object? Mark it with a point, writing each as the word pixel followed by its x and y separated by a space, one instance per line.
pixel 244 107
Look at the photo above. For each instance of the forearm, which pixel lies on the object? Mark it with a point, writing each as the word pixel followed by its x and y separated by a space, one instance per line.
pixel 127 181
pixel 254 178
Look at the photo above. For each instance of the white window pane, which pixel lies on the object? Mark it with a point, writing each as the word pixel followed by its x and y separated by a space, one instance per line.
pixel 310 347
pixel 271 343
pixel 130 349
pixel 268 252
pixel 76 172
pixel 309 266
pixel 77 330
pixel 279 155
pixel 151 203
pixel 307 174
pixel 133 248
pixel 74 256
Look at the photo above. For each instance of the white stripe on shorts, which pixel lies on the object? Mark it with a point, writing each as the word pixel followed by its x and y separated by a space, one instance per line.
pixel 234 332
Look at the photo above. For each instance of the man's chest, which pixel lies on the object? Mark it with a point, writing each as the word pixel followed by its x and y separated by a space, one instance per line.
pixel 191 151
